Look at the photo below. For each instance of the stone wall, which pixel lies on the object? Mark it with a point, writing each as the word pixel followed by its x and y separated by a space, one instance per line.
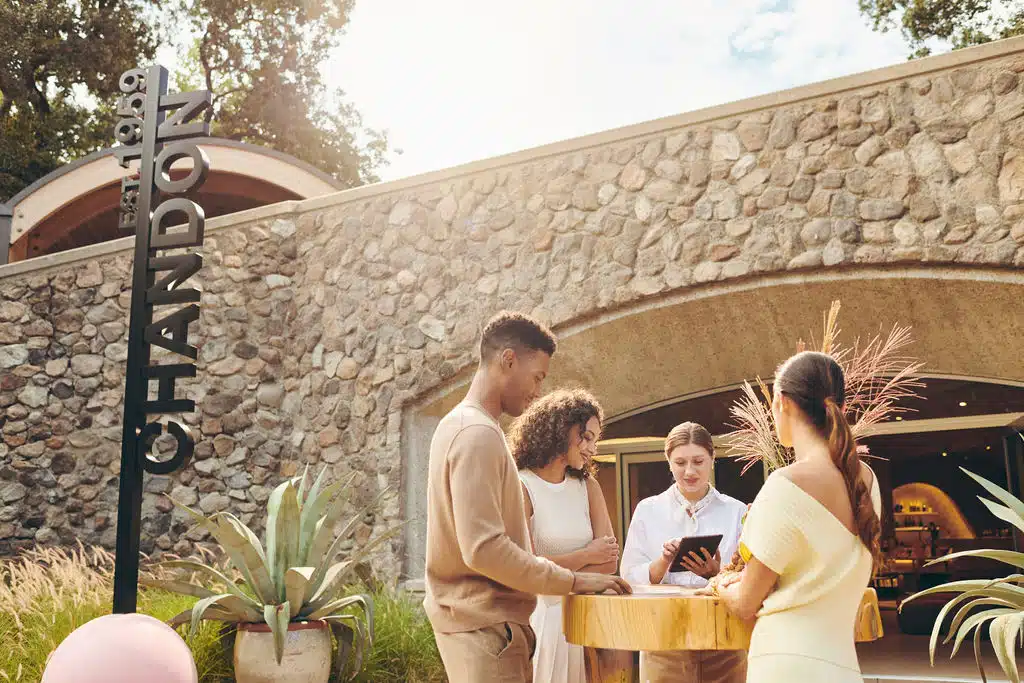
pixel 321 326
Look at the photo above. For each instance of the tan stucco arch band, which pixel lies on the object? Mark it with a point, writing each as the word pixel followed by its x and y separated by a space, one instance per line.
pixel 974 308
pixel 966 322
pixel 739 385
pixel 31 206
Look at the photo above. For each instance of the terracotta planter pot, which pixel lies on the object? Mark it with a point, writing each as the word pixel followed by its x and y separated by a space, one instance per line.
pixel 307 654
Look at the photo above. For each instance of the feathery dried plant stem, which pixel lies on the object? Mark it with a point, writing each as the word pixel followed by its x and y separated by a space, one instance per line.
pixel 831 334
pixel 879 381
pixel 755 440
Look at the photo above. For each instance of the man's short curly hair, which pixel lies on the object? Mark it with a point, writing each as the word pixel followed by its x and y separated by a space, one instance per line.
pixel 509 330
pixel 541 434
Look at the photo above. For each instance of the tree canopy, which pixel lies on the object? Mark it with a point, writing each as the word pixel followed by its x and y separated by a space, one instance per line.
pixel 962 23
pixel 60 61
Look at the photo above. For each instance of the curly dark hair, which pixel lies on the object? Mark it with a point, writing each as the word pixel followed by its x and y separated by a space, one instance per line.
pixel 541 434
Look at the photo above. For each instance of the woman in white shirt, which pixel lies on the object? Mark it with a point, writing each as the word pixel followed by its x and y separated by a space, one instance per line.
pixel 690 507
pixel 554 443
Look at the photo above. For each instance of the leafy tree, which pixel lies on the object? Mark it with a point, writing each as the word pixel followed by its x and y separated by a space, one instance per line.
pixel 960 22
pixel 55 56
pixel 60 61
pixel 262 59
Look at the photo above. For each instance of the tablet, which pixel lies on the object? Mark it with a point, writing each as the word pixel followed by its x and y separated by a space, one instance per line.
pixel 694 544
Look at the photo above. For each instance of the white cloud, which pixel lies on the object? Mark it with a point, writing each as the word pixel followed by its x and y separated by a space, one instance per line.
pixel 762 31
pixel 459 80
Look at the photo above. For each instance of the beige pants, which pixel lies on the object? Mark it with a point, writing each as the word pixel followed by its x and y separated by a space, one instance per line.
pixel 694 666
pixel 495 654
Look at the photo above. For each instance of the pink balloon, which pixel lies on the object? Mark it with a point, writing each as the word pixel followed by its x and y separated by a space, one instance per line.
pixel 122 648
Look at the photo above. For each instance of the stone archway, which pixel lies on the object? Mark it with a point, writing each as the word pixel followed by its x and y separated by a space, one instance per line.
pixel 965 323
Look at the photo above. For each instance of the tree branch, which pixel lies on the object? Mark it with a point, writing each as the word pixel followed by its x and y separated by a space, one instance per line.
pixel 205 61
pixel 231 91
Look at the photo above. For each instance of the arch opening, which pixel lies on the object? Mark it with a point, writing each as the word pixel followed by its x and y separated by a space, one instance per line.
pixel 703 339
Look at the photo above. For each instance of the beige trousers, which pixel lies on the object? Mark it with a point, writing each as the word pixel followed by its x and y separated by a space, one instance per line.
pixel 694 666
pixel 495 654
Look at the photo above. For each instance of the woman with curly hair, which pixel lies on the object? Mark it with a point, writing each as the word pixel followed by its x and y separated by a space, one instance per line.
pixel 554 443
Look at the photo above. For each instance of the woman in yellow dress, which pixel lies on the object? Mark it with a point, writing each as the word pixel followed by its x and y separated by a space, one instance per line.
pixel 810 540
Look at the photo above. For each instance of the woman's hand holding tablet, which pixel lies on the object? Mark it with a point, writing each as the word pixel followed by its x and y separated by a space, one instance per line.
pixel 697 554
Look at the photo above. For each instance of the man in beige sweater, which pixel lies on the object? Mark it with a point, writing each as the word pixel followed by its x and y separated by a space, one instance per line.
pixel 482 577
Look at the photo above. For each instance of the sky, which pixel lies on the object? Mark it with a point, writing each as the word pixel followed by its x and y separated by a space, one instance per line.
pixel 454 81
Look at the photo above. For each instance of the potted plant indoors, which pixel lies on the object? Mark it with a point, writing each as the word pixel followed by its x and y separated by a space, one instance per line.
pixel 289 593
pixel 1002 599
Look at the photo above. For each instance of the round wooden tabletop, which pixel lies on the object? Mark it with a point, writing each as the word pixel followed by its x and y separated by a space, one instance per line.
pixel 660 618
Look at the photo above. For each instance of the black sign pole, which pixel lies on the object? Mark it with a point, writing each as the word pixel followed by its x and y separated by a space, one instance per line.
pixel 129 502
pixel 143 130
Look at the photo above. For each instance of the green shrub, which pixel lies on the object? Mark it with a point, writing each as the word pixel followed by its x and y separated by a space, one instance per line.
pixel 47 593
pixel 403 647
pixel 44 596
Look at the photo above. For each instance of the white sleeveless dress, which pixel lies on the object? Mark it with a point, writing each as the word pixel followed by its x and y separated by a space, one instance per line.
pixel 560 525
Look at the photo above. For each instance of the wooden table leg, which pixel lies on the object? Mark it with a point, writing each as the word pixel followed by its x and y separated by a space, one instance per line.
pixel 609 666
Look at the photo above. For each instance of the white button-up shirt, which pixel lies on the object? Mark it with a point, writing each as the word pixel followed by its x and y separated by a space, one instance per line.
pixel 669 516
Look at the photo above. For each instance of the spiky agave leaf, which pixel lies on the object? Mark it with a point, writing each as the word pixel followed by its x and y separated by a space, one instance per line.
pixel 341 604
pixel 328 587
pixel 1004 632
pixel 282 534
pixel 322 536
pixel 179 587
pixel 335 575
pixel 1004 597
pixel 353 641
pixel 296 587
pixel 213 613
pixel 277 618
pixel 308 504
pixel 217 577
pixel 228 603
pixel 242 548
pixel 321 554
pixel 303 484
pixel 355 637
pixel 315 509
pixel 301 516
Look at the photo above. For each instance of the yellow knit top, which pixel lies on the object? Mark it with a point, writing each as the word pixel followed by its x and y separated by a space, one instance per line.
pixel 823 569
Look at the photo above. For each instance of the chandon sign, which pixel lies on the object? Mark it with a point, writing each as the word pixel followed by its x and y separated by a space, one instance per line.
pixel 161 220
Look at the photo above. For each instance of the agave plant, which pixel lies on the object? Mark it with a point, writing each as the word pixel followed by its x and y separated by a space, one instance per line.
pixel 1003 599
pixel 290 576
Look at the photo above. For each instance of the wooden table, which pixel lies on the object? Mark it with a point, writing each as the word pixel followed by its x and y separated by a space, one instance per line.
pixel 666 618
pixel 654 618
